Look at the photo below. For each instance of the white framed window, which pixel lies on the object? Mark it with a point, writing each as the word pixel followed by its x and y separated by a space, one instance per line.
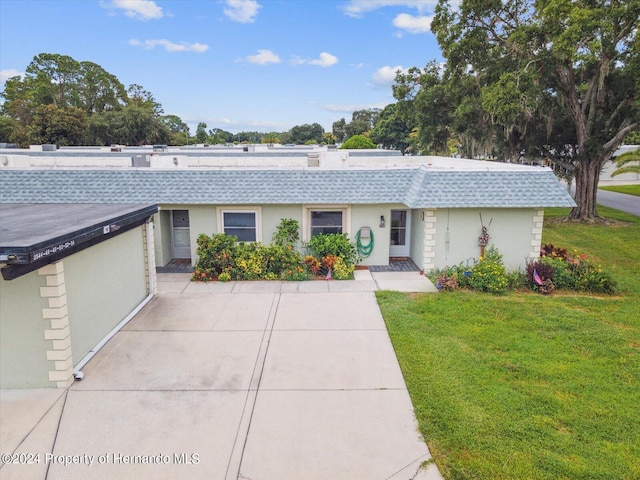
pixel 243 222
pixel 323 219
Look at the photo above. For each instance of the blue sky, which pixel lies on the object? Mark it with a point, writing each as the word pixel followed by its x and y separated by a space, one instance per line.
pixel 239 65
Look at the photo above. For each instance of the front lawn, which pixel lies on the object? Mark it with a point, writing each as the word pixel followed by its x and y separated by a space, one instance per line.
pixel 628 189
pixel 528 386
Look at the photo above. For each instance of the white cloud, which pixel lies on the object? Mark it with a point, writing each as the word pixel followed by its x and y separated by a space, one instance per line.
pixel 324 60
pixel 356 8
pixel 9 73
pixel 411 24
pixel 243 11
pixel 385 76
pixel 170 46
pixel 263 57
pixel 140 9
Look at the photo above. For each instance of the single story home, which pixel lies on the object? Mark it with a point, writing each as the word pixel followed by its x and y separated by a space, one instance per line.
pixel 72 274
pixel 428 209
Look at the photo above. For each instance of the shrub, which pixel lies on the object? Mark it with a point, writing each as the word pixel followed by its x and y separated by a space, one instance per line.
pixel 287 233
pixel 224 277
pixel 328 261
pixel 295 274
pixel 342 271
pixel 563 277
pixel 280 258
pixel 545 272
pixel 336 244
pixel 590 278
pixel 549 250
pixel 250 262
pixel 447 283
pixel 489 276
pixel 312 263
pixel 358 142
pixel 216 253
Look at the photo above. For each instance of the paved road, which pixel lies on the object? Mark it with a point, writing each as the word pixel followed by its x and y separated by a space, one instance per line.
pixel 620 201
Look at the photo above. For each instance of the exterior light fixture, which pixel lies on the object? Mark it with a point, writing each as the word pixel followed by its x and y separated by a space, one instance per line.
pixel 381 221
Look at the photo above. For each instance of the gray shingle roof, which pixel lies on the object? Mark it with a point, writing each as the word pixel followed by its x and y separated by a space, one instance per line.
pixel 416 187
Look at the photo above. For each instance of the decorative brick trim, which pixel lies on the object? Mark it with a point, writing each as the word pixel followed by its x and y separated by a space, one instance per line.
pixel 430 221
pixel 536 234
pixel 148 241
pixel 59 332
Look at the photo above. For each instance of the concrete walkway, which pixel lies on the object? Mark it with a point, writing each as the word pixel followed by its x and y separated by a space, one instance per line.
pixel 243 380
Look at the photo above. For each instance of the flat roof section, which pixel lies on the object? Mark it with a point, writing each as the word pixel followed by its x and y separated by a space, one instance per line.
pixel 34 235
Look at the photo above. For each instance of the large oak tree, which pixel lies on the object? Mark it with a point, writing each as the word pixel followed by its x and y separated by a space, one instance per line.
pixel 571 65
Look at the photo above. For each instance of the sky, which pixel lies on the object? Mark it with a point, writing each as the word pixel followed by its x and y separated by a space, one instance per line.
pixel 238 65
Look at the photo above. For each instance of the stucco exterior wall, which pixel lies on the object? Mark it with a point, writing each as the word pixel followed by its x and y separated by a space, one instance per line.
pixel 104 284
pixel 417 237
pixel 203 219
pixel 369 216
pixel 23 361
pixel 457 232
pixel 162 237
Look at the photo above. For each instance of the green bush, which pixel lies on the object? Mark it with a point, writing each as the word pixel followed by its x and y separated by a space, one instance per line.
pixel 342 271
pixel 287 233
pixel 590 278
pixel 215 254
pixel 489 276
pixel 563 277
pixel 358 142
pixel 336 244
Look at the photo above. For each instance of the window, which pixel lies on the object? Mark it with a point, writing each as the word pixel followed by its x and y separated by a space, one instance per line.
pixel 243 223
pixel 326 221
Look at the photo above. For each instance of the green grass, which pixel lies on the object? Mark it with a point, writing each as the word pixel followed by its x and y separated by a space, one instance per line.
pixel 523 386
pixel 628 189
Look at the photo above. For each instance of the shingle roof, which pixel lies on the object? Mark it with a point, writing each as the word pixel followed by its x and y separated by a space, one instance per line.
pixel 416 187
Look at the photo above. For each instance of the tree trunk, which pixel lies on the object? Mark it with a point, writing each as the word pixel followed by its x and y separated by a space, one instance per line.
pixel 587 177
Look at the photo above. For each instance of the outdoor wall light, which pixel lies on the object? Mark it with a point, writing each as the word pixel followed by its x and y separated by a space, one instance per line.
pixel 381 221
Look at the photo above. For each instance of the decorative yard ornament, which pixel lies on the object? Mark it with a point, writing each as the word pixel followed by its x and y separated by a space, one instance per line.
pixel 483 239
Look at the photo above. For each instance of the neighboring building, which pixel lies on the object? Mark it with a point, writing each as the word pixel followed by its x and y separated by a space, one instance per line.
pixel 71 274
pixel 430 209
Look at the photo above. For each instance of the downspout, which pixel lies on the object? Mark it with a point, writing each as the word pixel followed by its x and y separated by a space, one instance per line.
pixel 77 373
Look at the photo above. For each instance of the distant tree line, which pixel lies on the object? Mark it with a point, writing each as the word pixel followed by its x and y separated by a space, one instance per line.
pixel 63 101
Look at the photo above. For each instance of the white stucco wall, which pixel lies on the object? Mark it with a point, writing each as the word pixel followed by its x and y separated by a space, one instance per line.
pixel 457 232
pixel 23 361
pixel 417 237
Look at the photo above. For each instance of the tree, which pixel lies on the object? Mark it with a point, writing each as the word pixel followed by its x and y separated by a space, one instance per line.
pixel 217 135
pixel 61 126
pixel 272 137
pixel 425 102
pixel 328 138
pixel 579 58
pixel 628 162
pixel 362 121
pixel 301 134
pixel 390 130
pixel 7 125
pixel 338 130
pixel 178 130
pixel 358 142
pixel 201 132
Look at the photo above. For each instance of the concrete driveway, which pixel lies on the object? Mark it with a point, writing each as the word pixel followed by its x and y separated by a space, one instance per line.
pixel 247 380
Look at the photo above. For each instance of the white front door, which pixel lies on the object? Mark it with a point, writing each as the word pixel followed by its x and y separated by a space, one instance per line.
pixel 400 242
pixel 180 237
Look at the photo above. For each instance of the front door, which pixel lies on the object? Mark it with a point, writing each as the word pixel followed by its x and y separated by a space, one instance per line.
pixel 180 238
pixel 400 234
